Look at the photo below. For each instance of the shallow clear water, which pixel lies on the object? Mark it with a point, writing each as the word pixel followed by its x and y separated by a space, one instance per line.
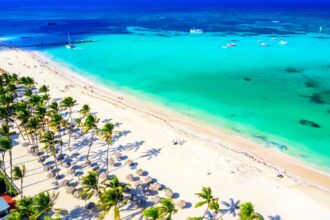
pixel 279 94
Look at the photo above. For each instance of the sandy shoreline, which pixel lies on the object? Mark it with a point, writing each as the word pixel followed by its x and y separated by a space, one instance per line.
pixel 207 149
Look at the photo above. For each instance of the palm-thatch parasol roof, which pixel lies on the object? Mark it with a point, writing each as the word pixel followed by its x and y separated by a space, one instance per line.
pixel 118 155
pixel 25 144
pixel 71 171
pixel 148 179
pixel 181 204
pixel 156 199
pixel 64 183
pixel 129 162
pixel 129 177
pixel 140 172
pixel 168 193
pixel 111 161
pixel 156 186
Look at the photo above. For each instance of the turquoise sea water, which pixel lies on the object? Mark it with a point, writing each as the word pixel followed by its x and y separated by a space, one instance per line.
pixel 278 94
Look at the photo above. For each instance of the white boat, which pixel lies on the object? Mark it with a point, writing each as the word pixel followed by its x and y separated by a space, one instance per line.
pixel 70 45
pixel 196 31
pixel 321 29
pixel 282 42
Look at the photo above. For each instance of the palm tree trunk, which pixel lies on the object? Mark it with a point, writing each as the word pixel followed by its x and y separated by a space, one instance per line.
pixel 11 168
pixel 206 211
pixel 108 158
pixel 90 145
pixel 61 141
pixel 20 131
pixel 21 187
pixel 4 163
pixel 116 213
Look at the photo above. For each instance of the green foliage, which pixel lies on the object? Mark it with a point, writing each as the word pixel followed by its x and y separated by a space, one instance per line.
pixel 247 212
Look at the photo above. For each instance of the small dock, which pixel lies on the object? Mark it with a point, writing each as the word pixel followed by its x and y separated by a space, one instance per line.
pixel 53 44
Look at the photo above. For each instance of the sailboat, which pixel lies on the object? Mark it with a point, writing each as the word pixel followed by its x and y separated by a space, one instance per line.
pixel 70 45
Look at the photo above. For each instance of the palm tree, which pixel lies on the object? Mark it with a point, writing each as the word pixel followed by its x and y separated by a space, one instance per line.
pixel 53 107
pixel 247 212
pixel 152 213
pixel 44 89
pixel 68 103
pixel 69 126
pixel 6 146
pixel 23 209
pixel 167 208
pixel 27 81
pixel 207 199
pixel 90 124
pixel 32 126
pixel 111 198
pixel 55 124
pixel 49 142
pixel 90 184
pixel 106 135
pixel 44 204
pixel 85 110
pixel 19 174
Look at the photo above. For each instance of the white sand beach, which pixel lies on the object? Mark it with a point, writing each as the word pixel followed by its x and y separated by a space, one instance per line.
pixel 233 166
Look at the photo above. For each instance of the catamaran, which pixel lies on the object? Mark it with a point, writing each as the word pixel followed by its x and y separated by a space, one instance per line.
pixel 196 31
pixel 70 45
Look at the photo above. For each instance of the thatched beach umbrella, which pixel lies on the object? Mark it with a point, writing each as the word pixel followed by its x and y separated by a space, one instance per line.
pixel 77 194
pixel 64 183
pixel 129 162
pixel 111 162
pixel 118 155
pixel 104 175
pixel 156 199
pixel 140 172
pixel 155 186
pixel 70 190
pixel 71 171
pixel 129 177
pixel 97 168
pixel 47 168
pixel 41 159
pixel 181 204
pixel 137 184
pixel 66 164
pixel 148 179
pixel 51 174
pixel 168 193
pixel 87 163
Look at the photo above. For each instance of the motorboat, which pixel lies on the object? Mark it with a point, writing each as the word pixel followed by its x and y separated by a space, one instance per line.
pixel 282 42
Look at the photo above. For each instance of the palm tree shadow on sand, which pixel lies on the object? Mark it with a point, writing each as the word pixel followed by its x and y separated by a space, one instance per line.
pixel 80 213
pixel 153 152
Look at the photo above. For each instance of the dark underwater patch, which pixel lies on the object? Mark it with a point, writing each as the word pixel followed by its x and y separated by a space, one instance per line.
pixel 247 79
pixel 293 70
pixel 312 83
pixel 309 123
pixel 321 97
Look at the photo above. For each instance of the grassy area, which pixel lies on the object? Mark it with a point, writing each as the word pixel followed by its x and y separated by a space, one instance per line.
pixel 6 187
